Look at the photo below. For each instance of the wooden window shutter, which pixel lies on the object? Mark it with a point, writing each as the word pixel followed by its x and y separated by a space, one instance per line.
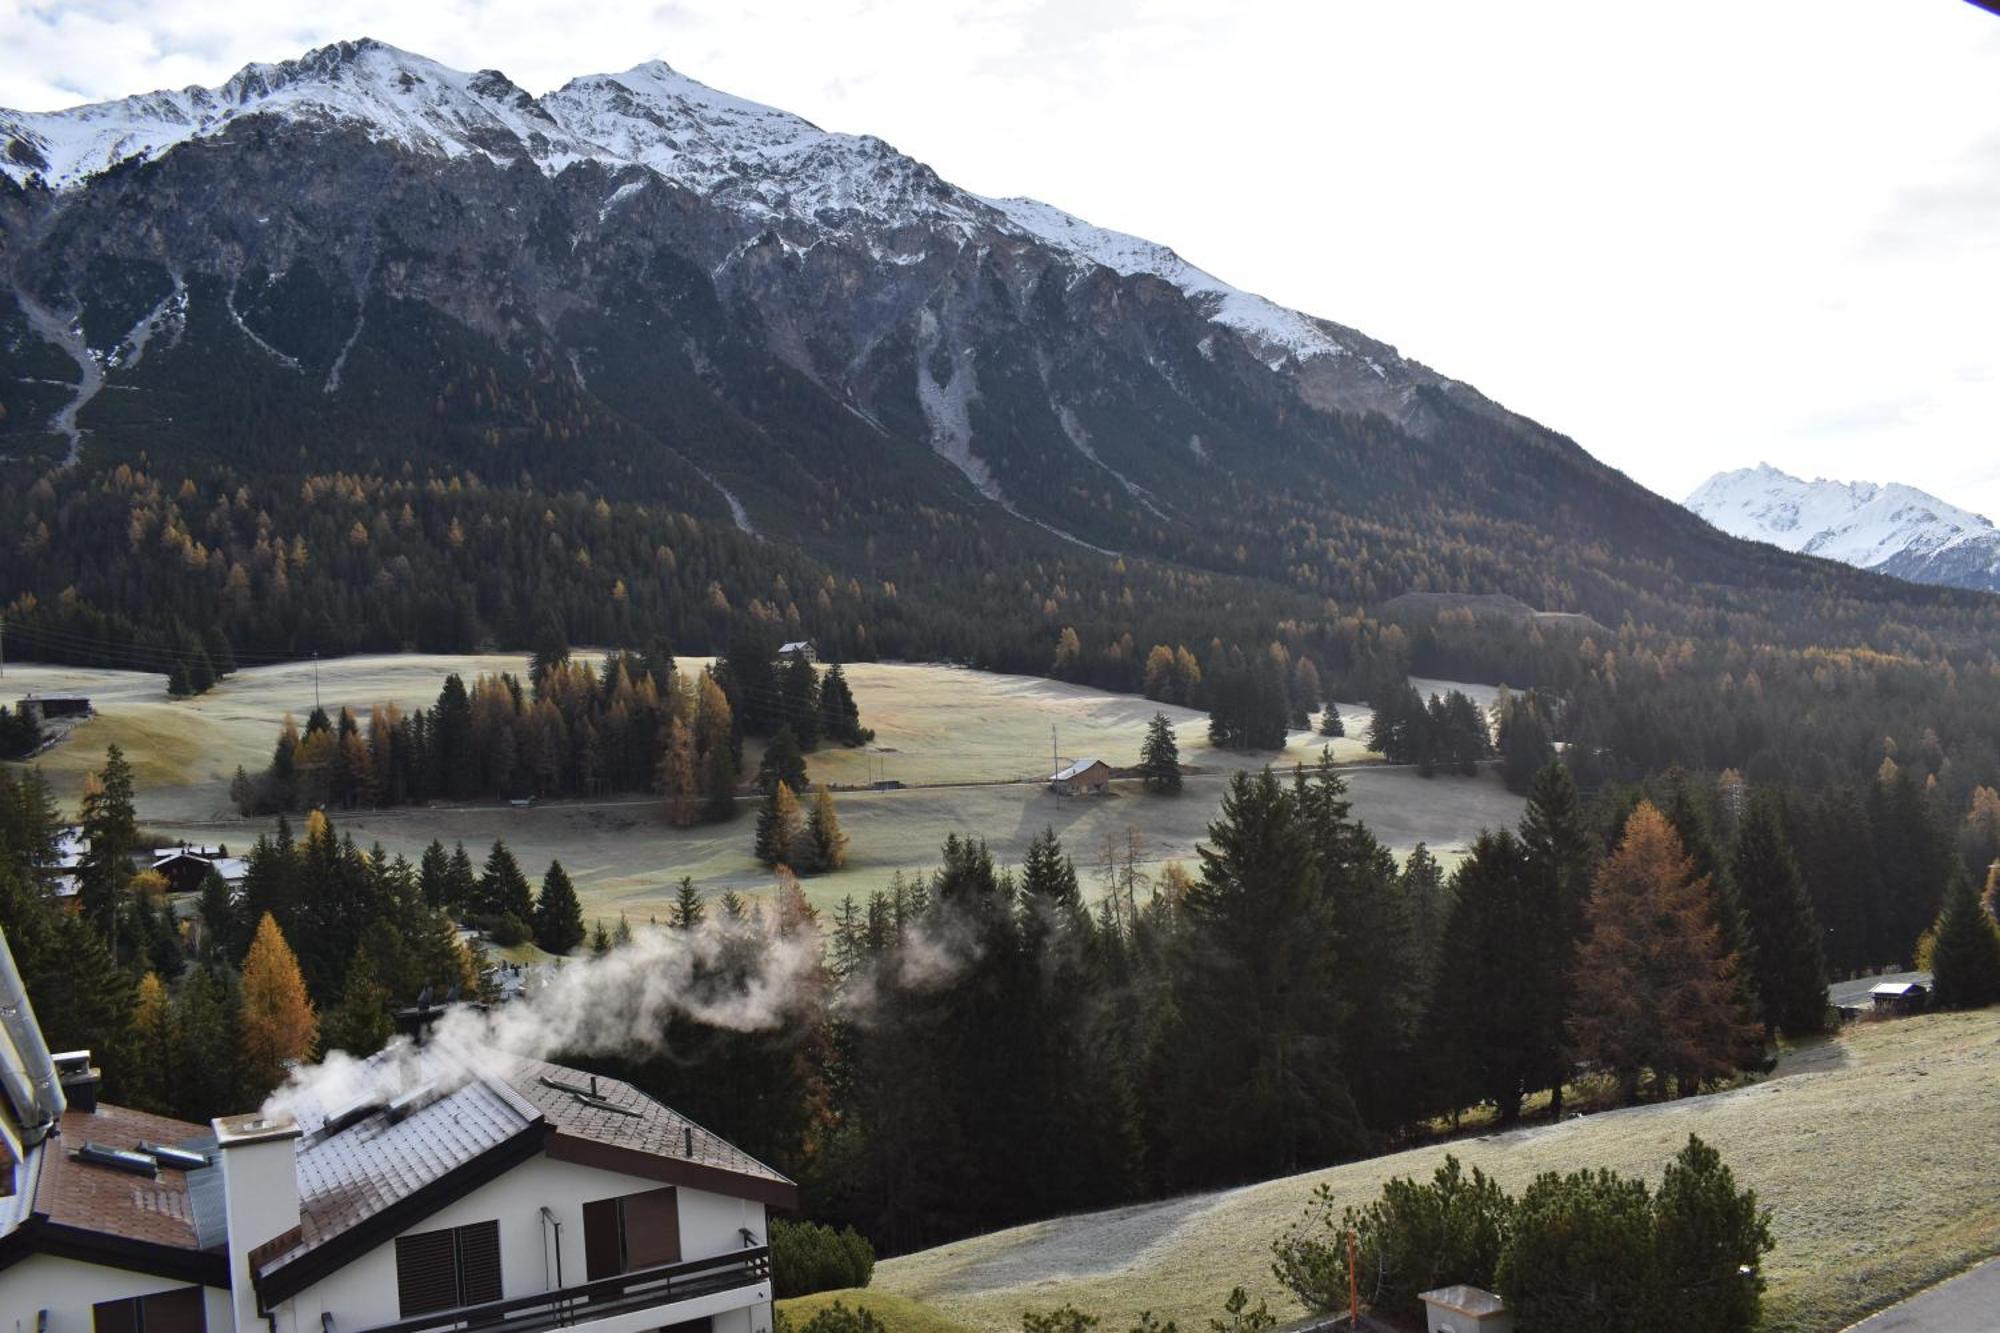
pixel 180 1311
pixel 603 1246
pixel 426 1273
pixel 116 1316
pixel 478 1263
pixel 652 1229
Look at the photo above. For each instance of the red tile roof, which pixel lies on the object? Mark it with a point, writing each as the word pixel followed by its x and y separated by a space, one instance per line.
pixel 106 1200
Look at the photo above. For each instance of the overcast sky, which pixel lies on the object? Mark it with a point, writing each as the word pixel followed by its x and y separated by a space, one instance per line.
pixel 1693 237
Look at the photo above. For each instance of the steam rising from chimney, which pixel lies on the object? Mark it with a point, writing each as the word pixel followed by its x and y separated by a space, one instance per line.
pixel 738 976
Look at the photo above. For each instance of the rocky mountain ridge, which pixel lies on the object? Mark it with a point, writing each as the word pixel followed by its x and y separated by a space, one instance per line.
pixel 1893 529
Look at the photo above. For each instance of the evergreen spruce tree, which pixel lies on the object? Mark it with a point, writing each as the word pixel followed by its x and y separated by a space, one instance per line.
pixel 1965 954
pixel 360 1024
pixel 108 824
pixel 203 1044
pixel 1160 758
pixel 1562 856
pixel 782 763
pixel 798 688
pixel 1786 968
pixel 558 913
pixel 1330 723
pixel 839 717
pixel 219 924
pixel 434 874
pixel 148 1083
pixel 461 883
pixel 503 889
pixel 1488 1021
pixel 688 910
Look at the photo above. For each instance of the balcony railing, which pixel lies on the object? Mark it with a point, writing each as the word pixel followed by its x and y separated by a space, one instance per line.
pixel 643 1289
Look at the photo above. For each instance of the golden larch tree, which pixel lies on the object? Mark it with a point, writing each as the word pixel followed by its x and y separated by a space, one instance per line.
pixel 278 1024
pixel 1656 986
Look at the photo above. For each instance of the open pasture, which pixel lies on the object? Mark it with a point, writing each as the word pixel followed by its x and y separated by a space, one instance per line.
pixel 970 747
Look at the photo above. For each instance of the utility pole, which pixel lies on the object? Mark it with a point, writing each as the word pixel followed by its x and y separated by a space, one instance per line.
pixel 316 707
pixel 1055 758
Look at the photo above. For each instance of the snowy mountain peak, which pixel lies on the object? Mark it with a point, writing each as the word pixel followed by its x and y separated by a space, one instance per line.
pixel 768 164
pixel 1890 527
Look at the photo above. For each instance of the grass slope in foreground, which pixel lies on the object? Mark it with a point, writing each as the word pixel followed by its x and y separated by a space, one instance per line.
pixel 1878 1152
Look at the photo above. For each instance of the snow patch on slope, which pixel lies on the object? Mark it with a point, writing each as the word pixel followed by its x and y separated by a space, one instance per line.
pixel 65 334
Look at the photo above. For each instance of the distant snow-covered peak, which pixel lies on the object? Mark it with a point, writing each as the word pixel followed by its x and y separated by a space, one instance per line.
pixel 1858 523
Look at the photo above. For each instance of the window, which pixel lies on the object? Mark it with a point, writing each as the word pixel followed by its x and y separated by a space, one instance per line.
pixel 625 1234
pixel 178 1311
pixel 444 1270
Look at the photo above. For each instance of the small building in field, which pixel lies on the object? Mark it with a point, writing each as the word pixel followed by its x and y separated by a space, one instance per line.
pixel 1900 997
pixel 798 648
pixel 1085 777
pixel 184 868
pixel 42 707
pixel 1464 1309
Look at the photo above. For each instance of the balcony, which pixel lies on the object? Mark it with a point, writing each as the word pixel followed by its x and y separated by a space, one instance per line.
pixel 647 1289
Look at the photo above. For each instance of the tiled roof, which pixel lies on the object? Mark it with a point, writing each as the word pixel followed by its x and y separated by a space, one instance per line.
pixel 109 1201
pixel 347 1177
pixel 656 1129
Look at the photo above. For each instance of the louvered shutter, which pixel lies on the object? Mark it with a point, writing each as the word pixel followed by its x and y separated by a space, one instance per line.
pixel 426 1273
pixel 652 1229
pixel 479 1263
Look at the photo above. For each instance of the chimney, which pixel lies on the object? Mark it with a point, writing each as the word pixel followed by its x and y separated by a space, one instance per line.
pixel 79 1079
pixel 260 1191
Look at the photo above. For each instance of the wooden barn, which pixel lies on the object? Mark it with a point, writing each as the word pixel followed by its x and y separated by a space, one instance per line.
pixel 1085 777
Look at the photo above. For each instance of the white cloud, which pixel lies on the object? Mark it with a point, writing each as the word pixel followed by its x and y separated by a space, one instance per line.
pixel 1747 232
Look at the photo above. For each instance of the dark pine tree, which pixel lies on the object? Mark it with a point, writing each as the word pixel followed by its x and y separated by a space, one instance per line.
pixel 782 762
pixel 1160 757
pixel 558 913
pixel 1787 968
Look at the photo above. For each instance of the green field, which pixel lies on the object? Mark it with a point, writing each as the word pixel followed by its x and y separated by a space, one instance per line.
pixel 1878 1152
pixel 971 745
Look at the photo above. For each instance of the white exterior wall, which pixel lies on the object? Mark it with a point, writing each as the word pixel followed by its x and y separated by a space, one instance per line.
pixel 362 1295
pixel 67 1288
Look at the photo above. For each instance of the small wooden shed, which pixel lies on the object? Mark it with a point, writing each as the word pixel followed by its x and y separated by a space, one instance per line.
pixel 1085 777
pixel 1900 997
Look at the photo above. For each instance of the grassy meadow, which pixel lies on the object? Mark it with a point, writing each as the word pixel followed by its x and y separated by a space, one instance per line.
pixel 971 747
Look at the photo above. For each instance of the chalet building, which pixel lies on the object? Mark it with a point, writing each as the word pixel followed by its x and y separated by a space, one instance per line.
pixel 184 868
pixel 796 649
pixel 1898 998
pixel 499 1192
pixel 1085 777
pixel 43 707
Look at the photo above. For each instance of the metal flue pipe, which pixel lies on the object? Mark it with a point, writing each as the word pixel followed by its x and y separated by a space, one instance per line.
pixel 27 1070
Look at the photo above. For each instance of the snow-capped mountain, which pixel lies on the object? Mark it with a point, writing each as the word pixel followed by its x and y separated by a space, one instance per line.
pixel 638 285
pixel 1893 529
pixel 760 160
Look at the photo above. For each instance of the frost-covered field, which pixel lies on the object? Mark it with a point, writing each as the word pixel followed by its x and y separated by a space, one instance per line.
pixel 934 725
pixel 1877 1152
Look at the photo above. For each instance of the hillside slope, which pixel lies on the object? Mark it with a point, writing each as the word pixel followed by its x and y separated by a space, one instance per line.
pixel 1862 1212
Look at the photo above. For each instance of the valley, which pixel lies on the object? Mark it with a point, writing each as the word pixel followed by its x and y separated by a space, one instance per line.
pixel 969 747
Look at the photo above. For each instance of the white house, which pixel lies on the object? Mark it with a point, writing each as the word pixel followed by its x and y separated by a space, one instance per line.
pixel 487 1191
